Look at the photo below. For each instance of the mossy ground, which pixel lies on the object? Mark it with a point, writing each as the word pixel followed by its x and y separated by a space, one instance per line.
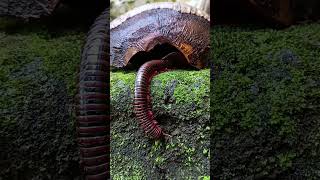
pixel 38 66
pixel 181 104
pixel 265 102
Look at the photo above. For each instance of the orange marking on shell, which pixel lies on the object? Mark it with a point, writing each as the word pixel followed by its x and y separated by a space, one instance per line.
pixel 186 49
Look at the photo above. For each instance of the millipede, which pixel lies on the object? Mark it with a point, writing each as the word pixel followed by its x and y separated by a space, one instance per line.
pixel 153 38
pixel 93 110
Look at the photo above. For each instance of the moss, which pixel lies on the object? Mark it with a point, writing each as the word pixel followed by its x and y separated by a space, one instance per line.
pixel 264 100
pixel 204 178
pixel 37 83
pixel 186 119
pixel 60 55
pixel 121 169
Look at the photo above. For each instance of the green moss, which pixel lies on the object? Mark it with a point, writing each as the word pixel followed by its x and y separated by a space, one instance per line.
pixel 121 169
pixel 60 55
pixel 192 83
pixel 37 83
pixel 204 178
pixel 159 160
pixel 264 100
pixel 285 160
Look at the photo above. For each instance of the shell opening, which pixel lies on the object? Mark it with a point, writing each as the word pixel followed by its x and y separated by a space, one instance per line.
pixel 157 52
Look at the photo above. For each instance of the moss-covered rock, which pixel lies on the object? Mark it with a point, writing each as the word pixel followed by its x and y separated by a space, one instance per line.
pixel 37 85
pixel 265 103
pixel 181 105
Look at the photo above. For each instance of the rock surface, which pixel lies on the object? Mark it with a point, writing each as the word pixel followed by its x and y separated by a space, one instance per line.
pixel 265 103
pixel 181 104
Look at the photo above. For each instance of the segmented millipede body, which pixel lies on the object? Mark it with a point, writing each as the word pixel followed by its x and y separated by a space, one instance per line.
pixel 142 100
pixel 155 38
pixel 93 130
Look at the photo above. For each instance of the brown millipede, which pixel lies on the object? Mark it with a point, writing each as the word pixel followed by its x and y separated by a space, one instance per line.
pixel 142 99
pixel 93 102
